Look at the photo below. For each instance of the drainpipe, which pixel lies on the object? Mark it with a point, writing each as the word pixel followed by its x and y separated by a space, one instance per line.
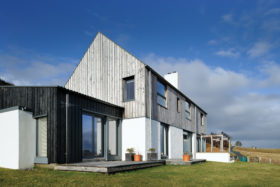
pixel 150 100
pixel 66 127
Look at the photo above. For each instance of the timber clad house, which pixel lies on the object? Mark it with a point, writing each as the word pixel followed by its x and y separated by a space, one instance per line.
pixel 111 102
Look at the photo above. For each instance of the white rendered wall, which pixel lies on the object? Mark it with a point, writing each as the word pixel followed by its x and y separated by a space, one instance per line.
pixel 153 135
pixel 216 157
pixel 27 140
pixel 17 139
pixel 175 140
pixel 134 136
pixel 9 139
pixel 173 78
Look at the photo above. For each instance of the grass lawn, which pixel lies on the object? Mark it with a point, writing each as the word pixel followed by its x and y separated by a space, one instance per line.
pixel 205 174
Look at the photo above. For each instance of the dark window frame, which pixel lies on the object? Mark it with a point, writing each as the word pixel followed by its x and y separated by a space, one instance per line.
pixel 125 81
pixel 188 111
pixel 164 97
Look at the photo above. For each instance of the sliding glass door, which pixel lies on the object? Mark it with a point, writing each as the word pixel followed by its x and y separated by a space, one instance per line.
pixel 92 137
pixel 101 137
pixel 114 139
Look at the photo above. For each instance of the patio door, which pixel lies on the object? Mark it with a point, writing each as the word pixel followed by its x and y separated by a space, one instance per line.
pixel 114 139
pixel 92 136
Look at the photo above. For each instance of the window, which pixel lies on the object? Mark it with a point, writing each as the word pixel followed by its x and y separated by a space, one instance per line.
pixel 178 105
pixel 129 89
pixel 202 122
pixel 163 140
pixel 42 137
pixel 161 92
pixel 188 110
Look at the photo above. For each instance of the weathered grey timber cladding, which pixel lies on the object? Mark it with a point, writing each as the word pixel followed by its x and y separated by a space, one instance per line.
pixel 100 75
pixel 51 102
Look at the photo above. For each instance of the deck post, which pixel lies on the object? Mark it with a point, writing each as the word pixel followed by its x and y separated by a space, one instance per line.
pixel 222 144
pixel 229 145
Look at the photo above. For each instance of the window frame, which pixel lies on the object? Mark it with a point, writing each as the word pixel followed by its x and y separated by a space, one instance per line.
pixel 202 118
pixel 188 111
pixel 160 95
pixel 125 80
pixel 178 105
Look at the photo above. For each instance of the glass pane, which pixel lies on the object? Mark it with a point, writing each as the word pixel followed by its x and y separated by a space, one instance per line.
pixel 160 88
pixel 130 89
pixel 87 136
pixel 187 143
pixel 187 115
pixel 161 100
pixel 163 140
pixel 113 131
pixel 92 136
pixel 42 137
pixel 187 106
pixel 97 137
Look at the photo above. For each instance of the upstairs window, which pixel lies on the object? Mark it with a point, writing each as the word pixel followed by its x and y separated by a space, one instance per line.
pixel 188 110
pixel 161 94
pixel 129 89
pixel 178 105
pixel 202 119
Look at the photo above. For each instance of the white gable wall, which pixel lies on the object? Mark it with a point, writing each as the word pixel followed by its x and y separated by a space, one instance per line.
pixel 17 139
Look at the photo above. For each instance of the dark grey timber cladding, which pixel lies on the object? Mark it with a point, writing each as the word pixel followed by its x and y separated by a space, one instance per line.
pixel 51 101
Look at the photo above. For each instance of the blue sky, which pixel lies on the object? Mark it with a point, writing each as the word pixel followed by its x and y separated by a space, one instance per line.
pixel 226 52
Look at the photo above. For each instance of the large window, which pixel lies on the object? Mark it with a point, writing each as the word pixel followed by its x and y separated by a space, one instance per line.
pixel 188 110
pixel 187 142
pixel 161 94
pixel 92 132
pixel 42 137
pixel 129 89
pixel 163 140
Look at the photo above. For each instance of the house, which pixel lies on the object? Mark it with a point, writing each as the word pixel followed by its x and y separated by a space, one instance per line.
pixel 156 113
pixel 111 102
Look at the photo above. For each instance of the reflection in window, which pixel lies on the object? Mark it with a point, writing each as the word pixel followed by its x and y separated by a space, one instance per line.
pixel 161 94
pixel 92 136
pixel 129 89
pixel 187 110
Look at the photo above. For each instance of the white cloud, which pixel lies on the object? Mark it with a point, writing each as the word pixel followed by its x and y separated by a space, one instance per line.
pixel 212 42
pixel 229 97
pixel 228 53
pixel 35 69
pixel 273 11
pixel 259 49
pixel 227 18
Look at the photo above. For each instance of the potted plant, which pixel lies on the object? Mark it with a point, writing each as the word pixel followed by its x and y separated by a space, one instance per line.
pixel 152 155
pixel 129 156
pixel 137 157
pixel 186 157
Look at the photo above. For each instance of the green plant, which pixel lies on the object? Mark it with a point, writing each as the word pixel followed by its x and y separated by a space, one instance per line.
pixel 186 153
pixel 152 150
pixel 130 150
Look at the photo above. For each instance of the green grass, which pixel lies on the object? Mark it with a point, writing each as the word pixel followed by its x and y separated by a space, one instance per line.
pixel 205 174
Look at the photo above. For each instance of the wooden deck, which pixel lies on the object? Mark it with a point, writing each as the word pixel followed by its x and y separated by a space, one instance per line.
pixel 108 166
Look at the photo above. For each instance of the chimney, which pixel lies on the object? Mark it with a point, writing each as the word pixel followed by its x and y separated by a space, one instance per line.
pixel 173 78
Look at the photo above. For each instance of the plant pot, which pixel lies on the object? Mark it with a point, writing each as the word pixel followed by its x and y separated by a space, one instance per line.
pixel 137 158
pixel 129 156
pixel 152 156
pixel 186 158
